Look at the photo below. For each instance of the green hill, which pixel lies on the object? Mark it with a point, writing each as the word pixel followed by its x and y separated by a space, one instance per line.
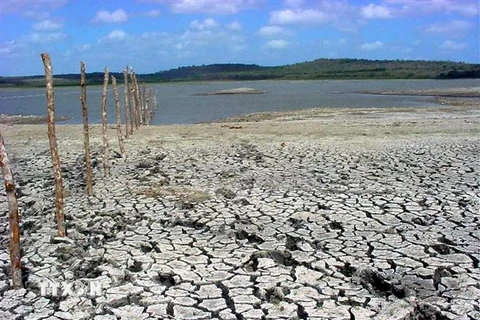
pixel 381 69
pixel 317 69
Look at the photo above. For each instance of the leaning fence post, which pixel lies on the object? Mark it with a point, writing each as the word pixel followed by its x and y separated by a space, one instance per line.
pixel 86 140
pixel 59 200
pixel 140 102
pixel 119 120
pixel 13 217
pixel 127 103
pixel 104 122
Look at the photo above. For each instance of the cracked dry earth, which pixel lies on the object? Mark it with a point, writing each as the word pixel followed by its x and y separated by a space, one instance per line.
pixel 255 230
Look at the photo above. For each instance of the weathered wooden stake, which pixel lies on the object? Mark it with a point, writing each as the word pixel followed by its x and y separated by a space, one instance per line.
pixel 104 123
pixel 13 217
pixel 140 103
pixel 59 200
pixel 145 104
pixel 137 101
pixel 153 98
pixel 154 103
pixel 119 119
pixel 134 101
pixel 127 103
pixel 86 136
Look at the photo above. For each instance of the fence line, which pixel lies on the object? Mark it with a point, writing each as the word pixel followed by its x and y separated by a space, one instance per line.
pixel 139 110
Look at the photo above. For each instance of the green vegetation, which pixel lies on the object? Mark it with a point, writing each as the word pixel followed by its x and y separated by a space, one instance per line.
pixel 318 69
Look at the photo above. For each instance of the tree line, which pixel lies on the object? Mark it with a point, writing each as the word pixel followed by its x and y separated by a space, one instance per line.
pixel 309 70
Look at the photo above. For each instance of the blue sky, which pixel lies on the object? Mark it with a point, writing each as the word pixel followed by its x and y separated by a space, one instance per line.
pixel 154 35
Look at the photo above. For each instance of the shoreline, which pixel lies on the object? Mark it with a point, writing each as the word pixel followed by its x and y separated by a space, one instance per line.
pixel 470 92
pixel 450 97
pixel 317 213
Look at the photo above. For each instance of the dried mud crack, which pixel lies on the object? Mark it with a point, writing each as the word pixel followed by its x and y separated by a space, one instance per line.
pixel 255 229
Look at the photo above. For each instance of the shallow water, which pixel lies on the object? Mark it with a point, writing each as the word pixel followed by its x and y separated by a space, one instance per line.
pixel 178 103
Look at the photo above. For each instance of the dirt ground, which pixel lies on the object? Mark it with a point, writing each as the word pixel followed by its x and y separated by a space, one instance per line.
pixel 354 128
pixel 313 214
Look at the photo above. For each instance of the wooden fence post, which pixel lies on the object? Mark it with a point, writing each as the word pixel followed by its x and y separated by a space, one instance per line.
pixel 137 101
pixel 127 103
pixel 149 106
pixel 86 141
pixel 145 104
pixel 59 200
pixel 140 103
pixel 13 218
pixel 154 103
pixel 134 101
pixel 104 123
pixel 119 119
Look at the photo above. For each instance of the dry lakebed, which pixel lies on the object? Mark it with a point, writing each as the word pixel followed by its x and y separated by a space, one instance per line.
pixel 313 214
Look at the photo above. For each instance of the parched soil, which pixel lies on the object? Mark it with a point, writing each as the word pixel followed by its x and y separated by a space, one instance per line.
pixel 314 214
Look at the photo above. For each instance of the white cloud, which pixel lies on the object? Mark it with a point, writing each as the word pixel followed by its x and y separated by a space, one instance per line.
pixel 11 48
pixel 463 7
pixel 114 36
pixel 373 11
pixel 15 6
pixel 117 35
pixel 453 27
pixel 209 6
pixel 200 38
pixel 181 45
pixel 201 34
pixel 299 16
pixel 235 26
pixel 43 37
pixel 36 14
pixel 208 36
pixel 206 24
pixel 154 36
pixel 47 25
pixel 271 31
pixel 370 46
pixel 111 17
pixel 276 44
pixel 453 45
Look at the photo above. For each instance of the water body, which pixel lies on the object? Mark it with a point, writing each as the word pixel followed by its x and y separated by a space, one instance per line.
pixel 180 103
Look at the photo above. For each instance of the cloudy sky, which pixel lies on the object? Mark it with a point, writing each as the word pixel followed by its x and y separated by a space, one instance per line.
pixel 154 35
